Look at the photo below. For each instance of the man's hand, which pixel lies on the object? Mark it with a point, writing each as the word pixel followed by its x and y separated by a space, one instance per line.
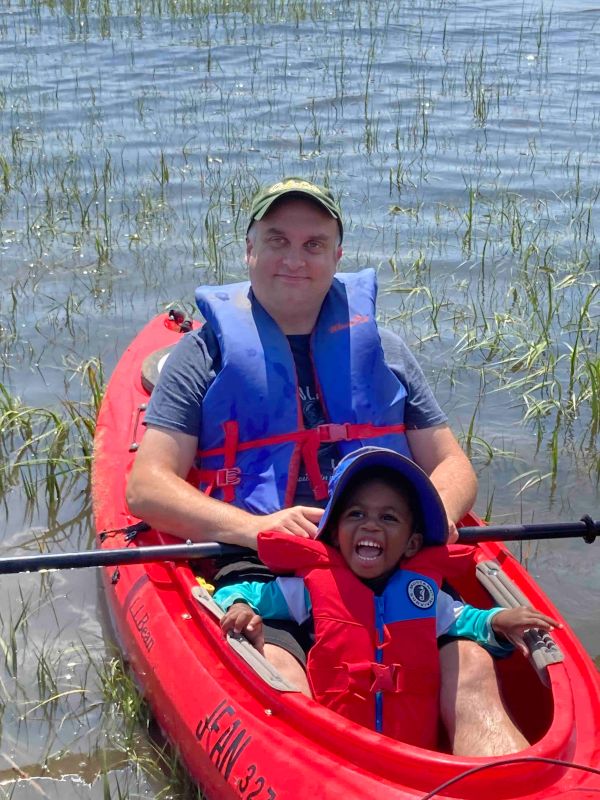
pixel 452 532
pixel 513 622
pixel 298 521
pixel 158 492
pixel 241 618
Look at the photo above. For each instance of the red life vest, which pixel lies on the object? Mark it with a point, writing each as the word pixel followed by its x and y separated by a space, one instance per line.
pixel 375 659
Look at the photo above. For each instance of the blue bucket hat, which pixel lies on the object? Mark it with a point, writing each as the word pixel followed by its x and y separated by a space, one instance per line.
pixel 435 521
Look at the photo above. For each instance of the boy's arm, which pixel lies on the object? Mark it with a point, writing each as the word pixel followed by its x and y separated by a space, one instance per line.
pixel 463 621
pixel 482 625
pixel 266 599
pixel 245 604
pixel 512 623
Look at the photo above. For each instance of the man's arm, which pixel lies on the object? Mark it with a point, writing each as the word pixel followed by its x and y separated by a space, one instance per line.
pixel 431 441
pixel 437 452
pixel 157 492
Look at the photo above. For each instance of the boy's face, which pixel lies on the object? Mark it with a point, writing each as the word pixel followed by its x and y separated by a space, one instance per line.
pixel 375 530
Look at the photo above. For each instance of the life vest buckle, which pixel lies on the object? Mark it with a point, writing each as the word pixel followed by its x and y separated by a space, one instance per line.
pixel 368 677
pixel 228 476
pixel 334 432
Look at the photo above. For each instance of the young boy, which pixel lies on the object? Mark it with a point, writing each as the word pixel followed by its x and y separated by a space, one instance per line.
pixel 374 597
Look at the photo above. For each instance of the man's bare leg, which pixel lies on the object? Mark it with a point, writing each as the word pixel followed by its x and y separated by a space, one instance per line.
pixel 476 719
pixel 288 666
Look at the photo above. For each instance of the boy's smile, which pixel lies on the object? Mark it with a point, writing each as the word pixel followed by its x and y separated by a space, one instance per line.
pixel 375 530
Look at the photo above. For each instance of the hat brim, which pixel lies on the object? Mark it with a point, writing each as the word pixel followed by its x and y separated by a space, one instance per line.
pixel 300 193
pixel 291 193
pixel 435 520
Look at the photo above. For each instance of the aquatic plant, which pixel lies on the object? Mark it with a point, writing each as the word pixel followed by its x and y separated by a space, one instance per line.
pixel 48 449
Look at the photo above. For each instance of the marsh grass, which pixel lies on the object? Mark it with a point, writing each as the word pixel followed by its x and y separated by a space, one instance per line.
pixel 136 734
pixel 87 708
pixel 48 450
pixel 529 333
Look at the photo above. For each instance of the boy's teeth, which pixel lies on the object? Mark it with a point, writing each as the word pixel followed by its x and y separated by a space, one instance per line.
pixel 368 550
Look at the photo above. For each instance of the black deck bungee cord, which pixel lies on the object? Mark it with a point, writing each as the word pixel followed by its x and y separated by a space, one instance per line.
pixel 506 762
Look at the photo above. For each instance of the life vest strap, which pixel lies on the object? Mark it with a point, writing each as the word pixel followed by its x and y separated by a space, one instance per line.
pixel 231 476
pixel 225 479
pixel 309 439
pixel 364 678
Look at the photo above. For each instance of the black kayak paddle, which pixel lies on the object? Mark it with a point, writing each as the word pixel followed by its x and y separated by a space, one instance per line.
pixel 585 528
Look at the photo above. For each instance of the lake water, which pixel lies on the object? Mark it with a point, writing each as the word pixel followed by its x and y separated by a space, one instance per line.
pixel 463 143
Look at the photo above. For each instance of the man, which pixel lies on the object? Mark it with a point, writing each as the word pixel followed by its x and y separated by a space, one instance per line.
pixel 275 366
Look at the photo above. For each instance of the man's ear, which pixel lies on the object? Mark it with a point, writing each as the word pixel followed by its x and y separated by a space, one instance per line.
pixel 248 248
pixel 339 252
pixel 414 544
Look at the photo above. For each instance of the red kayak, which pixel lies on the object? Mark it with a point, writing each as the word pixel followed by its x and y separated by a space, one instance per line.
pixel 243 733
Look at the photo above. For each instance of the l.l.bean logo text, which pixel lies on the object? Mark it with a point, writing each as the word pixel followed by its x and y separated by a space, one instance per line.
pixel 141 619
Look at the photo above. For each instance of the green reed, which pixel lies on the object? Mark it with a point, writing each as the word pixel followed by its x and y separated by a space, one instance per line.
pixel 127 718
pixel 45 449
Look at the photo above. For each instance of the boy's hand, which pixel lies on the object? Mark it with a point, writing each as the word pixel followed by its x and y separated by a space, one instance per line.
pixel 513 622
pixel 241 618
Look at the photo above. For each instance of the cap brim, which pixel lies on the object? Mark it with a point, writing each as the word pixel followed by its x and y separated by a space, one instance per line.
pixel 435 520
pixel 295 192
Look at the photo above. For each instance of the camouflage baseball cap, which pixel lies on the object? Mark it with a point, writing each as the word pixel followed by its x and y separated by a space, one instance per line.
pixel 265 198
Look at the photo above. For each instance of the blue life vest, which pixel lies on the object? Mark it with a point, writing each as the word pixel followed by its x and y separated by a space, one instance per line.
pixel 253 437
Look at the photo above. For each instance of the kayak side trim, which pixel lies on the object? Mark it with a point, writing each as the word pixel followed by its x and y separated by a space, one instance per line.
pixel 543 649
pixel 244 649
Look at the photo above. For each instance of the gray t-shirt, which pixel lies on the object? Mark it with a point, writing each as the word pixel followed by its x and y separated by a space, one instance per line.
pixel 176 402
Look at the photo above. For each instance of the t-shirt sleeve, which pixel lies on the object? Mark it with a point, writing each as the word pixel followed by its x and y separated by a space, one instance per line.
pixel 421 408
pixel 176 402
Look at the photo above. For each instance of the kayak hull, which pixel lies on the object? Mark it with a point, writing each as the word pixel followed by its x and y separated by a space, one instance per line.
pixel 240 738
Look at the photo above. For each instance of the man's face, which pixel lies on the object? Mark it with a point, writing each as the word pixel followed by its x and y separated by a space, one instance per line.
pixel 292 255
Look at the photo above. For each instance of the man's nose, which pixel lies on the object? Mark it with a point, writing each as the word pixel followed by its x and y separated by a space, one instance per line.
pixel 294 257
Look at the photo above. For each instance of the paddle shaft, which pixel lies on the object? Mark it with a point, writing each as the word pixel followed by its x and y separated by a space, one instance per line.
pixel 586 528
pixel 118 557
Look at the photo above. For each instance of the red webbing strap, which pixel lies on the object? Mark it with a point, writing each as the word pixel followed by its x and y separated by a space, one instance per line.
pixel 197 476
pixel 310 456
pixel 310 439
pixel 229 476
pixel 329 432
pixel 363 678
pixel 232 438
pixel 216 479
pixel 352 678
